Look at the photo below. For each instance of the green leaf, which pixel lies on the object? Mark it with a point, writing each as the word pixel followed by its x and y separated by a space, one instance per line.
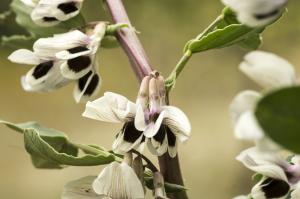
pixel 278 113
pixel 36 146
pixel 50 148
pixel 23 19
pixel 17 41
pixel 169 187
pixel 221 38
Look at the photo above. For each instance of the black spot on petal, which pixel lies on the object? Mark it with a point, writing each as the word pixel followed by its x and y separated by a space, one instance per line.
pixel 68 8
pixel 78 64
pixel 171 138
pixel 78 49
pixel 131 134
pixel 266 15
pixel 92 85
pixel 160 135
pixel 49 19
pixel 82 81
pixel 42 69
pixel 274 188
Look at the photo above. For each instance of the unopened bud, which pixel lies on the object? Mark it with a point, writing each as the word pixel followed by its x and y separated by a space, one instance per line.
pixel 138 167
pixel 162 90
pixel 143 95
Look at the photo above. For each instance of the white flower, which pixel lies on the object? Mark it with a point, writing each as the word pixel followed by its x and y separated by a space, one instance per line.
pixel 270 72
pixel 62 58
pixel 279 176
pixel 256 12
pixel 116 181
pixel 49 13
pixel 160 129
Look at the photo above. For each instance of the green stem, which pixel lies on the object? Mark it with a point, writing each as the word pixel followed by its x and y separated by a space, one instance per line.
pixel 170 81
pixel 210 28
pixel 94 151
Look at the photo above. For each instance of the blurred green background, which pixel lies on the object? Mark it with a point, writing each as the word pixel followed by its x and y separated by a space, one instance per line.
pixel 204 92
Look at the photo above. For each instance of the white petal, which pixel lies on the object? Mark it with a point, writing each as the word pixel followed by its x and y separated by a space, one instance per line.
pixel 80 189
pixel 268 70
pixel 123 108
pixel 53 9
pixel 152 128
pixel 263 163
pixel 65 55
pixel 118 181
pixel 247 127
pixel 267 145
pixel 244 101
pixel 177 121
pixel 60 42
pixel 106 108
pixel 256 12
pixel 24 56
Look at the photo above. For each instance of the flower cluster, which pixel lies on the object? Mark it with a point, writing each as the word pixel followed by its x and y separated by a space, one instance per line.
pixel 63 58
pixel 257 12
pixel 280 177
pixel 50 13
pixel 148 121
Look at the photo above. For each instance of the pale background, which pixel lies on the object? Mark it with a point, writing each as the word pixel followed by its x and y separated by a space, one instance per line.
pixel 204 92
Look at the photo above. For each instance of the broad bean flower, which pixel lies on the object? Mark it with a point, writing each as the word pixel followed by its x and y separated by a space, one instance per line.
pixel 61 59
pixel 256 12
pixel 50 13
pixel 270 72
pixel 148 121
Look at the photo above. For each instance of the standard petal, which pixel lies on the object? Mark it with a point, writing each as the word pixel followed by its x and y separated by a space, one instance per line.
pixel 247 127
pixel 263 163
pixel 177 121
pixel 80 189
pixel 104 108
pixel 23 56
pixel 244 101
pixel 268 70
pixel 118 181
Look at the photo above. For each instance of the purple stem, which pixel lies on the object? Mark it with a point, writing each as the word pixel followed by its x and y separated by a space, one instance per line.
pixel 129 40
pixel 131 44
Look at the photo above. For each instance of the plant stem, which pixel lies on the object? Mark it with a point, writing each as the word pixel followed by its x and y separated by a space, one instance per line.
pixel 141 66
pixel 171 80
pixel 129 40
pixel 94 151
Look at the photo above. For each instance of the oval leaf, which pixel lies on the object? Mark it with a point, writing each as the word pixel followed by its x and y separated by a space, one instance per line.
pixel 278 113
